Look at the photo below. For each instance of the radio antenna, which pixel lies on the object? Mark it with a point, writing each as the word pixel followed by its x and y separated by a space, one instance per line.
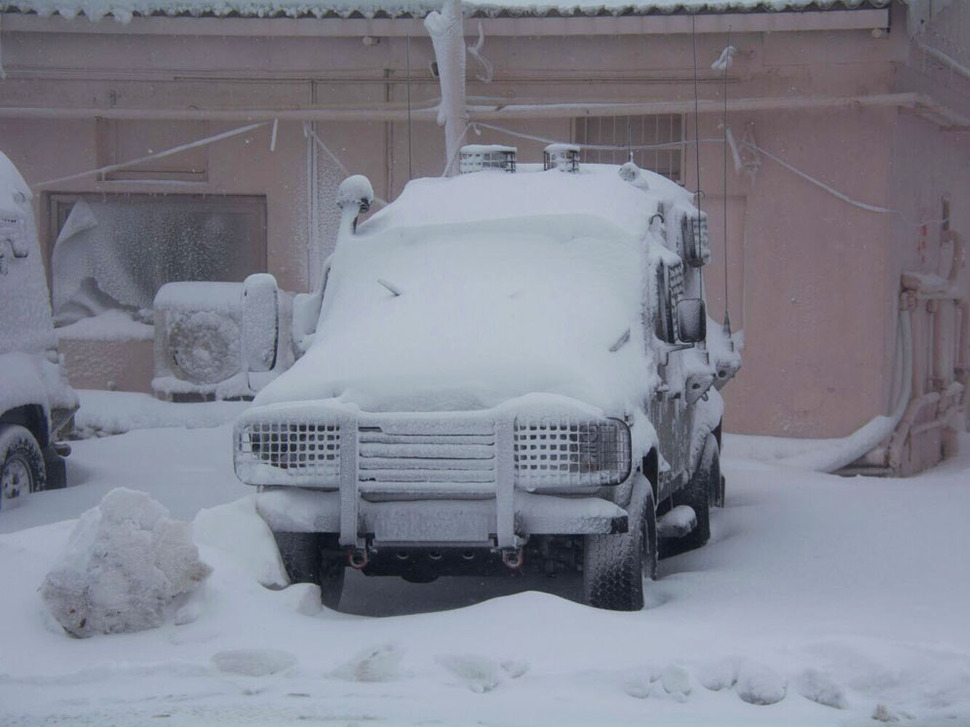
pixel 724 129
pixel 409 104
pixel 697 134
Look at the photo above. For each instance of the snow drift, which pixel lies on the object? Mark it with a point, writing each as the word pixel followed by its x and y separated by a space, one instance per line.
pixel 125 563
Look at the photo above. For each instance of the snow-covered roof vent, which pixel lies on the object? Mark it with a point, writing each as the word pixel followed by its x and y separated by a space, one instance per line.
pixel 564 157
pixel 476 157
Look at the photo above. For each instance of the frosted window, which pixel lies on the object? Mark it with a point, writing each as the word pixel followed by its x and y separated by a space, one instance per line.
pixel 133 244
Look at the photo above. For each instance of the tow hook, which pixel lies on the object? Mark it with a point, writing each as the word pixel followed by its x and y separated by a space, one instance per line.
pixel 357 558
pixel 513 559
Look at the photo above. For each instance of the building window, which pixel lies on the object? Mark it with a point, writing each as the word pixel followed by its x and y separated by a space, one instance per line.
pixel 121 141
pixel 119 249
pixel 624 132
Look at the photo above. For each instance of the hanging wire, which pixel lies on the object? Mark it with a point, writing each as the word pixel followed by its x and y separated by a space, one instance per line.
pixel 157 155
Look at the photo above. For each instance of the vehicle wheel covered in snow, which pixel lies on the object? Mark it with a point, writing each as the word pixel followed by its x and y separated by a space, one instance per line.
pixel 21 465
pixel 314 558
pixel 615 566
pixel 204 346
pixel 701 492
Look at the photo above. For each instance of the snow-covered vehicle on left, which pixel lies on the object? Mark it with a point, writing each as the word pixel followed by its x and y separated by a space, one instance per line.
pixel 37 404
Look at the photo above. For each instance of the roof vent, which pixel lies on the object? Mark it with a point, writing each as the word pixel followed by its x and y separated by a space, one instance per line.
pixel 564 157
pixel 476 157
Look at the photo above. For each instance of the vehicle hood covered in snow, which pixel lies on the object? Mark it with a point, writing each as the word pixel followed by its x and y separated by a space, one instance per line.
pixel 472 291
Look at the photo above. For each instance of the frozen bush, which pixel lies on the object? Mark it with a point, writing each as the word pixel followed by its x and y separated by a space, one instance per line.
pixel 125 562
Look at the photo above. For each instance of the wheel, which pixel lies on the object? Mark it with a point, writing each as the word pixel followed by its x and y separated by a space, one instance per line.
pixel 314 558
pixel 701 492
pixel 21 465
pixel 615 566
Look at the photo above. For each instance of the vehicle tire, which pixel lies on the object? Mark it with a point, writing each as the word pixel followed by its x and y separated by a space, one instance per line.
pixel 314 558
pixel 615 566
pixel 22 468
pixel 700 493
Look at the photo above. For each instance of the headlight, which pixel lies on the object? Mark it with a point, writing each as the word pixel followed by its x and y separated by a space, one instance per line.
pixel 551 453
pixel 293 453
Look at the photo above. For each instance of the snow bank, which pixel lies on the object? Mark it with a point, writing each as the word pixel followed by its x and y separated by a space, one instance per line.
pixel 126 562
pixel 112 325
pixel 238 531
pixel 104 413
pixel 846 596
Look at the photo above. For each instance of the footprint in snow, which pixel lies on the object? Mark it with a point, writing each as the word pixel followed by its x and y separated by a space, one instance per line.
pixel 377 664
pixel 673 682
pixel 480 673
pixel 515 668
pixel 819 687
pixel 253 662
pixel 721 674
pixel 758 684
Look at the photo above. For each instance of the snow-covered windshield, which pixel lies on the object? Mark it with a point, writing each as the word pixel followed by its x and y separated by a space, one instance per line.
pixel 485 302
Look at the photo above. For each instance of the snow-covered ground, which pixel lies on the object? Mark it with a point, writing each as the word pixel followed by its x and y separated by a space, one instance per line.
pixel 848 596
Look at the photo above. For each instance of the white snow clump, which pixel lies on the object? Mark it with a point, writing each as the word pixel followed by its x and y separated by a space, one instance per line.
pixel 125 563
pixel 355 190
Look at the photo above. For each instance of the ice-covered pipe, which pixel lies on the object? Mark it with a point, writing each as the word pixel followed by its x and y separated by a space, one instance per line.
pixel 448 38
pixel 840 453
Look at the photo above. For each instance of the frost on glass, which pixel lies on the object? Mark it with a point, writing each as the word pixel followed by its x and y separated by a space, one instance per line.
pixel 130 245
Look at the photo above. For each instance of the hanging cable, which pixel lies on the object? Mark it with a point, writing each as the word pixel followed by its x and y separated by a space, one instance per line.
pixel 313 135
pixel 591 147
pixel 157 155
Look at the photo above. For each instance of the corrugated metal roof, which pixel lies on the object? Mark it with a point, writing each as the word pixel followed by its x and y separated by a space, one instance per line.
pixel 124 10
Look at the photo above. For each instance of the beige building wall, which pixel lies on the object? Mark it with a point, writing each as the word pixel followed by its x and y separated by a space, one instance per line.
pixel 812 281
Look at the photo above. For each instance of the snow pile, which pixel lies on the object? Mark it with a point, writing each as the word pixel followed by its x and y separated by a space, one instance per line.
pixel 126 562
pixel 238 531
pixel 104 413
pixel 111 325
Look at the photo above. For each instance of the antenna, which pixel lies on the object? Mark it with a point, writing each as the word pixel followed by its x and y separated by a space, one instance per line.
pixel 629 138
pixel 409 104
pixel 697 133
pixel 724 128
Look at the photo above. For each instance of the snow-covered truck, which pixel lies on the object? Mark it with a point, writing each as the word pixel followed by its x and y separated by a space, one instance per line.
pixel 503 371
pixel 37 404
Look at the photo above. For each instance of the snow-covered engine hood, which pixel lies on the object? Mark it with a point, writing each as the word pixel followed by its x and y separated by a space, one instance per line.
pixel 452 318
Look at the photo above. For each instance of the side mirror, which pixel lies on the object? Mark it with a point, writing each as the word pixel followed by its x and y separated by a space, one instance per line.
pixel 692 320
pixel 260 322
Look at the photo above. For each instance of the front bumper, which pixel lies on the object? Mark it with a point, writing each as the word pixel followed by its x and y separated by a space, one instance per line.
pixel 438 522
pixel 494 476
